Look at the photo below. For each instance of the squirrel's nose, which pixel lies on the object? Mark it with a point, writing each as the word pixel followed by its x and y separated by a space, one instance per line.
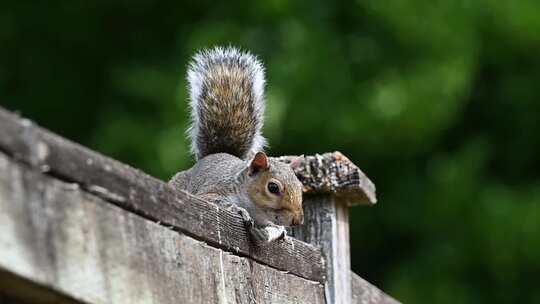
pixel 298 220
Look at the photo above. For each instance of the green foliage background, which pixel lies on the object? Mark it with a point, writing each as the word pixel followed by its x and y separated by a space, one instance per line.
pixel 438 102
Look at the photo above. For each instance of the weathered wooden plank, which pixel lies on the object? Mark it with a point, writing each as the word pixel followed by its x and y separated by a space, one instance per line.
pixel 58 235
pixel 151 198
pixel 365 293
pixel 326 225
pixel 333 173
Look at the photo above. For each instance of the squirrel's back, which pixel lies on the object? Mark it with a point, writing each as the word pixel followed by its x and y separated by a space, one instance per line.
pixel 227 103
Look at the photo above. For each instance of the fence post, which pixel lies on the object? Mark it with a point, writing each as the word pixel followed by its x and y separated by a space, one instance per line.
pixel 326 226
pixel 340 184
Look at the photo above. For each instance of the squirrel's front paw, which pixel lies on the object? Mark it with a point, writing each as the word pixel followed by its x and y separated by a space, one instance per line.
pixel 268 234
pixel 248 221
pixel 276 233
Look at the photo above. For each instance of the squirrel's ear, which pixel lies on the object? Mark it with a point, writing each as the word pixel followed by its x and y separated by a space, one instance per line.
pixel 259 163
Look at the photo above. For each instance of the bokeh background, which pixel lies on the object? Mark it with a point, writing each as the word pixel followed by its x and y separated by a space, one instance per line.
pixel 437 101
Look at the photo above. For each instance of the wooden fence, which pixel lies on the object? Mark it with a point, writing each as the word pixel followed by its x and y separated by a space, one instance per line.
pixel 78 227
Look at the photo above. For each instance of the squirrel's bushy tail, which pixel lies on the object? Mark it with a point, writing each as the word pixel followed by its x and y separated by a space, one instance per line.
pixel 226 88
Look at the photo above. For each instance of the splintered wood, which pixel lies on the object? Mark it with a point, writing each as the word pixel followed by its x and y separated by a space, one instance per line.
pixel 333 173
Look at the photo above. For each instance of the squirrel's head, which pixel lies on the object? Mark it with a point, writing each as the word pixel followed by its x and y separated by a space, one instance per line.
pixel 276 189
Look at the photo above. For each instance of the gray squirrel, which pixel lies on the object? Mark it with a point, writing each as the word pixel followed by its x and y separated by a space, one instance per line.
pixel 227 104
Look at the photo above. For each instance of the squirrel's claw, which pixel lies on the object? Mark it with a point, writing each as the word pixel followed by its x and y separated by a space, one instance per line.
pixel 261 235
pixel 276 232
pixel 248 221
pixel 268 234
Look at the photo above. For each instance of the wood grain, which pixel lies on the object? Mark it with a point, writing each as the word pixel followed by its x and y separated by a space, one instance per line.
pixel 149 197
pixel 57 235
pixel 327 227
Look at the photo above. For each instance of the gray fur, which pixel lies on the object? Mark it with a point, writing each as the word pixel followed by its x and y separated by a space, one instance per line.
pixel 228 186
pixel 227 103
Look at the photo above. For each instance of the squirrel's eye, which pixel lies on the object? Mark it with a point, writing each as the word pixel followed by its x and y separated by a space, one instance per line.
pixel 273 188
